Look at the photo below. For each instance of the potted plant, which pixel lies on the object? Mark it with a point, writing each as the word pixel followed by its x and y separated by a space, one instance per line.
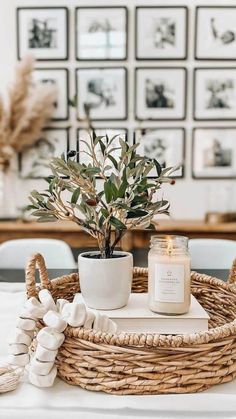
pixel 127 199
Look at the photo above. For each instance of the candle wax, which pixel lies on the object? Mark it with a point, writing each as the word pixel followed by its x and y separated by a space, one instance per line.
pixel 169 282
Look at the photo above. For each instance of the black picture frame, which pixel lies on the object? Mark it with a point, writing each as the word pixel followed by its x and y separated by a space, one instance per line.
pixel 77 9
pixel 66 10
pixel 183 130
pixel 184 96
pixel 78 130
pixel 196 56
pixel 64 69
pixel 194 130
pixel 186 33
pixel 125 91
pixel 217 118
pixel 20 164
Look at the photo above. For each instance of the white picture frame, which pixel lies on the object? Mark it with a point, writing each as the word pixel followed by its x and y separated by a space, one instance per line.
pixel 103 90
pixel 214 153
pixel 160 93
pixel 161 32
pixel 101 33
pixel 215 93
pixel 215 37
pixel 166 145
pixel 34 160
pixel 58 77
pixel 43 32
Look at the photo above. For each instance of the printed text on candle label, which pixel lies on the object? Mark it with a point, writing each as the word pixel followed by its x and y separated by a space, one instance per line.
pixel 169 283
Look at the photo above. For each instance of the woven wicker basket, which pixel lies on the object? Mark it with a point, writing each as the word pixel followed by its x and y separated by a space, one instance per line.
pixel 130 363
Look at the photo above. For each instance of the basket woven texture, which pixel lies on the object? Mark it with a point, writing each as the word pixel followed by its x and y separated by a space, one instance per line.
pixel 131 363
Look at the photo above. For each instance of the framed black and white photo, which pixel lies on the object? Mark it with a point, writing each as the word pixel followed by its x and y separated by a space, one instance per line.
pixel 215 33
pixel 43 32
pixel 58 77
pixel 85 135
pixel 161 33
pixel 160 93
pixel 214 153
pixel 166 145
pixel 101 33
pixel 103 92
pixel 215 93
pixel 34 161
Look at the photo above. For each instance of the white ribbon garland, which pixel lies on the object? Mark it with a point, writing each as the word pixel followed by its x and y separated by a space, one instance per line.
pixel 42 370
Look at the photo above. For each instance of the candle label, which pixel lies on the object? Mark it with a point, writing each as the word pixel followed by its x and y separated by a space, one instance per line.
pixel 169 283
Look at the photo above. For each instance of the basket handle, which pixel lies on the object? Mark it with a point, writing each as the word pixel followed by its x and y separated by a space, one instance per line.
pixel 35 261
pixel 232 274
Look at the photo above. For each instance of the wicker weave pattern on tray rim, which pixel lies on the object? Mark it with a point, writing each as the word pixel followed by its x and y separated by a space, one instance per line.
pixel 131 363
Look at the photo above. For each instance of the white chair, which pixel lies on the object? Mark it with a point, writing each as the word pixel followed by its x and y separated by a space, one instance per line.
pixel 15 253
pixel 212 253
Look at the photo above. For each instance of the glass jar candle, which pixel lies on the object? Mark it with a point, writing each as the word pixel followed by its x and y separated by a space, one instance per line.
pixel 169 275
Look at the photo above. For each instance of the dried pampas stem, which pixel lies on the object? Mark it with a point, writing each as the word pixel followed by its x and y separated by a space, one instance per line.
pixel 31 106
pixel 2 124
pixel 4 154
pixel 39 109
pixel 20 90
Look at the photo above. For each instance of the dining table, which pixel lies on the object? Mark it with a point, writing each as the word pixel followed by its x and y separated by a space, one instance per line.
pixel 63 401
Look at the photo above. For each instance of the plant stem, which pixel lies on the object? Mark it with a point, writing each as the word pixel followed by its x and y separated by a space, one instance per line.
pixel 118 237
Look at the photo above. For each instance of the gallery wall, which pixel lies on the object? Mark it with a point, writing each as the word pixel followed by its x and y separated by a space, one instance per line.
pixel 190 197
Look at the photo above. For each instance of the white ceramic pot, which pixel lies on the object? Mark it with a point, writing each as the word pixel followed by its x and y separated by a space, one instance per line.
pixel 106 283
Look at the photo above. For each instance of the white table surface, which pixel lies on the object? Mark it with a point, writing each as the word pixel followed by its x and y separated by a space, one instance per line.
pixel 69 402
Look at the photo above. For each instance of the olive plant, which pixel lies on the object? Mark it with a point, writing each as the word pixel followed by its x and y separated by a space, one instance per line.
pixel 127 199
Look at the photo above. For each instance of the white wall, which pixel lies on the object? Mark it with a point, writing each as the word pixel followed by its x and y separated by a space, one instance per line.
pixel 189 198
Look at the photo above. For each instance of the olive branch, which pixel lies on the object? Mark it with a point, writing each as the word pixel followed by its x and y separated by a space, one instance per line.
pixel 127 200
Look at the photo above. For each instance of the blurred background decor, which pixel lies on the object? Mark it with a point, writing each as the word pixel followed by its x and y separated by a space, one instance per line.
pixel 161 75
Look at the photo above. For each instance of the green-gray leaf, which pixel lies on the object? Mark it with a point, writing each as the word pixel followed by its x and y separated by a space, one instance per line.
pixel 108 191
pixel 117 223
pixel 47 219
pixel 113 160
pixel 75 196
pixel 136 213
